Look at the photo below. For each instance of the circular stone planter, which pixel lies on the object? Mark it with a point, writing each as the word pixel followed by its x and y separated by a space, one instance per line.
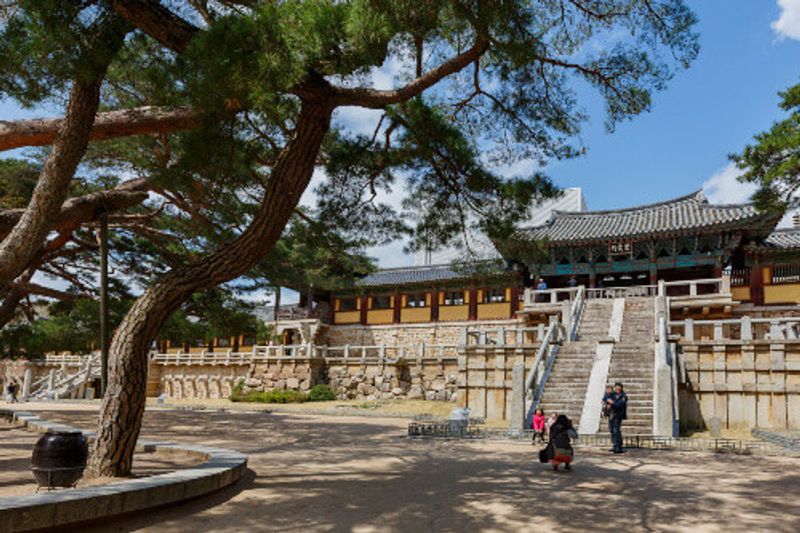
pixel 220 469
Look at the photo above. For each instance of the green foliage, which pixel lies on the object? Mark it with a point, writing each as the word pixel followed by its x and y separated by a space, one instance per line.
pixel 321 393
pixel 71 326
pixel 773 161
pixel 273 396
pixel 17 180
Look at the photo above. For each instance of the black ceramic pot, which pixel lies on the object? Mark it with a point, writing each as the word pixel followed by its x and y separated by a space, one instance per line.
pixel 59 458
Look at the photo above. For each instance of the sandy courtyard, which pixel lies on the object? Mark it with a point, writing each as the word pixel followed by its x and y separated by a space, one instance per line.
pixel 317 473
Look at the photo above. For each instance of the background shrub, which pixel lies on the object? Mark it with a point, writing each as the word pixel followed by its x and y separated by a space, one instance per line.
pixel 321 393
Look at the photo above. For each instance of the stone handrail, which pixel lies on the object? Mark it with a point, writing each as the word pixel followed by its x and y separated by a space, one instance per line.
pixel 722 286
pixel 549 296
pixel 293 351
pixel 65 509
pixel 665 384
pixel 621 292
pixel 576 313
pixel 540 369
pixel 749 329
pixel 500 336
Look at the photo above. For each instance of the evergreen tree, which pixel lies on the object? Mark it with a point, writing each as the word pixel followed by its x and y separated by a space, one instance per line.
pixel 480 84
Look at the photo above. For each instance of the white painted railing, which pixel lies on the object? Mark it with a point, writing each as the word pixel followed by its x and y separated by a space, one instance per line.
pixel 743 329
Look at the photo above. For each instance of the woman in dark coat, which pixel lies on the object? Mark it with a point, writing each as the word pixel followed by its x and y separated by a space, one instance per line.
pixel 559 448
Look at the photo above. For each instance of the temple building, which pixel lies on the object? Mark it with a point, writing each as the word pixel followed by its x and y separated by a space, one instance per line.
pixel 681 239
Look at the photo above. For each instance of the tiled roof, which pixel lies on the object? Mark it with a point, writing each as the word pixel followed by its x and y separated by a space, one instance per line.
pixel 685 214
pixel 425 274
pixel 786 238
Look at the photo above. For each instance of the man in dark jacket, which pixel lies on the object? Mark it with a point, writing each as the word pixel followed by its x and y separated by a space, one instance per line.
pixel 618 402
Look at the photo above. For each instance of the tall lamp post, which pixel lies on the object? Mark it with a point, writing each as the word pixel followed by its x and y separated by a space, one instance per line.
pixel 103 303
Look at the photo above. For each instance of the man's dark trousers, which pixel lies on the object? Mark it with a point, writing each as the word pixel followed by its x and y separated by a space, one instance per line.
pixel 614 427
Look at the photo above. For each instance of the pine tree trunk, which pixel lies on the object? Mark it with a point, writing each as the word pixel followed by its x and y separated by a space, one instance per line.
pixel 44 208
pixel 123 405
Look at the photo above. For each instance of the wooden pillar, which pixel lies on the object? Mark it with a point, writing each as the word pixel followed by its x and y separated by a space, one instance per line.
pixel 434 305
pixel 592 276
pixel 473 304
pixel 364 302
pixel 397 302
pixel 515 291
pixel 756 284
pixel 653 272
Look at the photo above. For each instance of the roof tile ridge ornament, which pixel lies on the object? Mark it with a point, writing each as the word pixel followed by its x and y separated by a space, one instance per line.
pixel 693 197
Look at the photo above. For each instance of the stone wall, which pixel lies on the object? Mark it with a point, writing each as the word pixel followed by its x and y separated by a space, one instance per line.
pixel 180 382
pixel 408 334
pixel 485 378
pixel 744 384
pixel 352 378
pixel 426 378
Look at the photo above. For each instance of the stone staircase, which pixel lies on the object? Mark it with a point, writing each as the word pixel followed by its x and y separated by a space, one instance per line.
pixel 632 363
pixel 565 390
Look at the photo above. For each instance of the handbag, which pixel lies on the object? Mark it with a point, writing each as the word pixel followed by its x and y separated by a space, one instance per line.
pixel 543 455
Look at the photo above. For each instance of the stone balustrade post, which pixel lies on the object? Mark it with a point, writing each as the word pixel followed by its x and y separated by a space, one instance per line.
pixel 26 383
pixel 401 351
pixel 718 331
pixel 688 329
pixel 381 351
pixel 746 333
pixel 482 337
pixel 553 296
pixel 775 330
pixel 501 336
pixel 310 350
pixel 662 288
pixel 463 337
pixel 520 336
pixel 540 332
pixel 346 351
pixel 692 288
pixel 725 285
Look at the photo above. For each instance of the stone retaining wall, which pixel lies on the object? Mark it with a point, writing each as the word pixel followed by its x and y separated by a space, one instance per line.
pixel 429 333
pixel 743 384
pixel 485 378
pixel 426 378
pixel 352 378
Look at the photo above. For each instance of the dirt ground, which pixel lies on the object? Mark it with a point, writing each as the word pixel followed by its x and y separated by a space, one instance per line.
pixel 16 447
pixel 318 473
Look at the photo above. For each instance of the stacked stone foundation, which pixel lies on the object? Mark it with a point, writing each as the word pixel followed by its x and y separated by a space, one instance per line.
pixel 743 384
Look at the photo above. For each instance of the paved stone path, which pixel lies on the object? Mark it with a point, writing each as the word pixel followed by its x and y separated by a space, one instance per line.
pixel 357 474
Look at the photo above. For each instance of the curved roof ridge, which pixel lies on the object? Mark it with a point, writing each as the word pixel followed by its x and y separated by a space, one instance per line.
pixel 696 196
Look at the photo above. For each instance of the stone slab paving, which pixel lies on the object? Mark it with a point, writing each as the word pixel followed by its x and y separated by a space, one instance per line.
pixel 318 473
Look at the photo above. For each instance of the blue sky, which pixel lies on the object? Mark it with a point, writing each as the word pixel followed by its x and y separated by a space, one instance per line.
pixel 750 50
pixel 706 112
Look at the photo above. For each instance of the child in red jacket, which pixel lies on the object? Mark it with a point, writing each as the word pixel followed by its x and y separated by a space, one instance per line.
pixel 537 424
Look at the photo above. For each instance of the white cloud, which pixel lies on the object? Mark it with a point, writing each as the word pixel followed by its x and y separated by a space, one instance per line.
pixel 724 188
pixel 788 23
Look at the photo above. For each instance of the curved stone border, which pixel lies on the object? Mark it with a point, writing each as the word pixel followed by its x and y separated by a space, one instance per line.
pixel 53 509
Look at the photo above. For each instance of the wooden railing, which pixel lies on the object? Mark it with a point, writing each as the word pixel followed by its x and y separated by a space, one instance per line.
pixel 741 329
